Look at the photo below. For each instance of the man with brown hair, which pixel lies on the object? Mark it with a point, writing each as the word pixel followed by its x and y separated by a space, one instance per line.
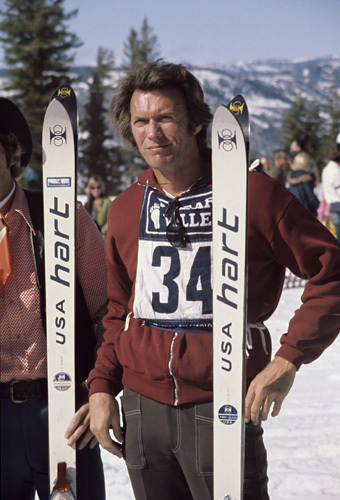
pixel 158 340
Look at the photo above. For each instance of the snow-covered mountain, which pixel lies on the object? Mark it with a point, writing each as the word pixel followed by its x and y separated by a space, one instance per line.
pixel 269 86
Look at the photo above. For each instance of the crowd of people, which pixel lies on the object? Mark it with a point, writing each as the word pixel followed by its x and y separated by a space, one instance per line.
pixel 149 300
pixel 297 172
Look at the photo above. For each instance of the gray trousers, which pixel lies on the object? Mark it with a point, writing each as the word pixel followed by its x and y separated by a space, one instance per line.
pixel 169 451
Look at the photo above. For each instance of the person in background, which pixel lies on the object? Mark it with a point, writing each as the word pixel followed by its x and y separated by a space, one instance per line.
pixel 280 167
pixel 158 344
pixel 296 147
pixel 265 164
pixel 324 212
pixel 301 183
pixel 97 204
pixel 23 356
pixel 331 185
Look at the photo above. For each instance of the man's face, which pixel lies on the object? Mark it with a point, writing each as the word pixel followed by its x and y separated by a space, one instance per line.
pixel 160 127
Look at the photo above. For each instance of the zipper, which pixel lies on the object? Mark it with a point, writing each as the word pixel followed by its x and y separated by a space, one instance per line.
pixel 170 367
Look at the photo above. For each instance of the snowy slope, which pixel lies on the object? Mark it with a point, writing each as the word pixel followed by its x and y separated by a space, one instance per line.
pixel 303 442
pixel 269 86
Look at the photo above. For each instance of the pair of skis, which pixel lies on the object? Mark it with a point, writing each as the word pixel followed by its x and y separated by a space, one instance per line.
pixel 59 142
pixel 230 146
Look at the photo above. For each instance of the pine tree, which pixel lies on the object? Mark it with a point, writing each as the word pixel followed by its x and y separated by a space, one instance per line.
pixel 332 126
pixel 303 123
pixel 293 123
pixel 140 47
pixel 147 43
pixel 334 112
pixel 39 51
pixel 131 49
pixel 97 153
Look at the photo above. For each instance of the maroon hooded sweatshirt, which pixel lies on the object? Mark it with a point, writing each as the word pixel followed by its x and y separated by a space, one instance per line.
pixel 176 367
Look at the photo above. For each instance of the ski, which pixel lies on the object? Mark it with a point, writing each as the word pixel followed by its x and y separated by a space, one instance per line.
pixel 230 201
pixel 59 142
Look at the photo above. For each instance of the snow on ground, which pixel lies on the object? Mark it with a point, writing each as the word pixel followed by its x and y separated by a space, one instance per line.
pixel 303 442
pixel 117 481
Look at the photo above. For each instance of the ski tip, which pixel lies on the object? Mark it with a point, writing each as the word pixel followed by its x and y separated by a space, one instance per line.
pixel 67 97
pixel 238 105
pixel 64 93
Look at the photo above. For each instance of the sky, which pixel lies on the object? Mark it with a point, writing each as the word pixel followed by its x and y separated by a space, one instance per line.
pixel 209 31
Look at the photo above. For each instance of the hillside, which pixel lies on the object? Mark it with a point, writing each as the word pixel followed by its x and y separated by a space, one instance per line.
pixel 269 86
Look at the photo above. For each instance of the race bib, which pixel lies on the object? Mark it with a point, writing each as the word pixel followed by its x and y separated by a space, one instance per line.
pixel 173 286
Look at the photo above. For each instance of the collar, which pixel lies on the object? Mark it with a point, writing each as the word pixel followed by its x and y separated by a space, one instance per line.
pixel 5 204
pixel 148 177
pixel 20 206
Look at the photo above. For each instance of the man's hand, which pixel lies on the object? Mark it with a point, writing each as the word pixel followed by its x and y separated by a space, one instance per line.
pixel 269 386
pixel 104 415
pixel 80 426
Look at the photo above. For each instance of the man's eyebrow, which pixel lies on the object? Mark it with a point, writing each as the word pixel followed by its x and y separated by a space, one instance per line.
pixel 160 114
pixel 180 109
